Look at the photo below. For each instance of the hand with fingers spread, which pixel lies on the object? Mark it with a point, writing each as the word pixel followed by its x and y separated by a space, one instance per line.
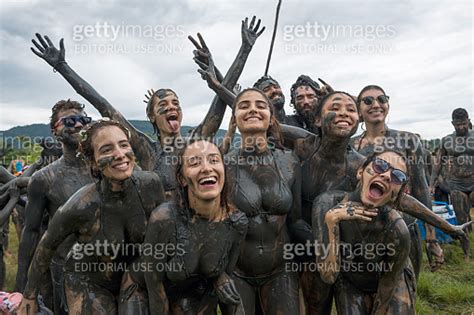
pixel 149 95
pixel 47 51
pixel 226 290
pixel 251 32
pixel 349 211
pixel 201 53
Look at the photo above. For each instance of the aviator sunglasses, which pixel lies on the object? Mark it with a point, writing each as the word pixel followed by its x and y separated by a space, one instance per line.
pixel 381 99
pixel 380 166
pixel 70 121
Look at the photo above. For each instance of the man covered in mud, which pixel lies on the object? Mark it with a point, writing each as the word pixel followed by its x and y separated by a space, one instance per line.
pixel 457 151
pixel 48 189
pixel 305 94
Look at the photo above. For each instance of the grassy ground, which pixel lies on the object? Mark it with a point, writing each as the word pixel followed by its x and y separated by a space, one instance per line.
pixel 447 291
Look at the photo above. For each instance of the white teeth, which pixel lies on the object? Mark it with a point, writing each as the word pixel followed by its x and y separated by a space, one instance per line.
pixel 121 166
pixel 253 119
pixel 208 180
pixel 342 124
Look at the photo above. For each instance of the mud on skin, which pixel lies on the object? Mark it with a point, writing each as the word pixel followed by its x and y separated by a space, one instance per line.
pixel 365 291
pixel 97 214
pixel 201 255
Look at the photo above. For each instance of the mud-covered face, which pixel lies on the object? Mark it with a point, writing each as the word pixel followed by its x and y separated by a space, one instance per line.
pixel 252 112
pixel 379 188
pixel 339 116
pixel 373 106
pixel 69 135
pixel 305 101
pixel 167 114
pixel 203 171
pixel 113 154
pixel 461 126
pixel 275 95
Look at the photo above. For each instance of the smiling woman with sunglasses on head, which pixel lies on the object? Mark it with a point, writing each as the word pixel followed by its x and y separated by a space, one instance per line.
pixel 373 109
pixel 100 218
pixel 368 241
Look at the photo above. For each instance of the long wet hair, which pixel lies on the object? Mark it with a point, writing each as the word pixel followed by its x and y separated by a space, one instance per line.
pixel 86 148
pixel 182 196
pixel 274 130
pixel 160 93
pixel 370 158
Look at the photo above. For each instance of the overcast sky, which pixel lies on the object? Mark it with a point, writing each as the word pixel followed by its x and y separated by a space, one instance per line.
pixel 420 52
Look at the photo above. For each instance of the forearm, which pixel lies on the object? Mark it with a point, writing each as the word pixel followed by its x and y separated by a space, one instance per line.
pixel 331 263
pixel 39 270
pixel 26 250
pixel 7 210
pixel 415 208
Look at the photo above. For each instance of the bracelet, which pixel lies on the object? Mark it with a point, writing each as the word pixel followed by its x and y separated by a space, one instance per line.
pixel 432 241
pixel 57 64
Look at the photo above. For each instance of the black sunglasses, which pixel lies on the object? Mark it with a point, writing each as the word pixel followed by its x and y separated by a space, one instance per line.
pixel 380 166
pixel 71 121
pixel 381 99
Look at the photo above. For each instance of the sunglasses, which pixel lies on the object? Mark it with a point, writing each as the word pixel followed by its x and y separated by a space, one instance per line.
pixel 381 99
pixel 380 166
pixel 71 121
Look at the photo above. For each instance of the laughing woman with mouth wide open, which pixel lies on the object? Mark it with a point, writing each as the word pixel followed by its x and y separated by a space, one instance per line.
pixel 368 259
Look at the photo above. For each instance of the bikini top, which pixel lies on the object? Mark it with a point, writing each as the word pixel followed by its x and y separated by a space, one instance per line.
pixel 203 248
pixel 254 193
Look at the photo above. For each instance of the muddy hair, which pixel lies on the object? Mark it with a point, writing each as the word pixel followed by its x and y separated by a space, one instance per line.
pixel 263 79
pixel 182 196
pixel 459 114
pixel 159 94
pixel 274 130
pixel 304 80
pixel 322 101
pixel 370 158
pixel 86 149
pixel 63 105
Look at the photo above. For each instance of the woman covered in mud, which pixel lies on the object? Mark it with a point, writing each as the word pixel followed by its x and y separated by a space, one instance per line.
pixel 107 218
pixel 367 241
pixel 265 184
pixel 202 233
pixel 330 163
pixel 163 107
pixel 373 104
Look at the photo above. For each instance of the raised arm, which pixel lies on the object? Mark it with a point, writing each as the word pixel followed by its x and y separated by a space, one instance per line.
pixel 57 59
pixel 209 126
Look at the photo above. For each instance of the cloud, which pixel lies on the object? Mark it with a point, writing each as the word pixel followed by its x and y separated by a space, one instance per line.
pixel 423 57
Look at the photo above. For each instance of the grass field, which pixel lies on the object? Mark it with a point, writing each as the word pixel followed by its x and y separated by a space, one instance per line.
pixel 447 291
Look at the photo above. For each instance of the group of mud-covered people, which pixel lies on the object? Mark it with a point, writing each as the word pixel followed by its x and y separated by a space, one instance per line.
pixel 125 223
